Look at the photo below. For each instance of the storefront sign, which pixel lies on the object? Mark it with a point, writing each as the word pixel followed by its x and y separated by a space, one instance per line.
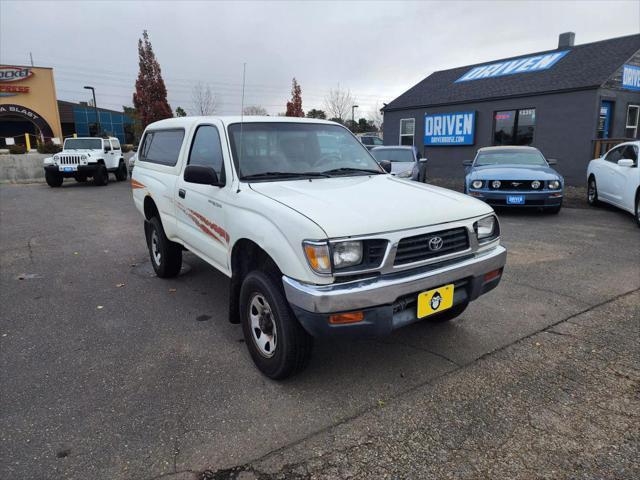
pixel 12 74
pixel 450 128
pixel 29 114
pixel 11 90
pixel 631 77
pixel 533 63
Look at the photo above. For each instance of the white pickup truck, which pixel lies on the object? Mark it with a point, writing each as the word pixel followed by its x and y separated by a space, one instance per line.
pixel 316 237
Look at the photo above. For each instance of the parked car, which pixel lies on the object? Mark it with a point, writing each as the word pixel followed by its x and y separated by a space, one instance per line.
pixel 314 243
pixel 371 141
pixel 405 161
pixel 132 161
pixel 614 178
pixel 514 176
pixel 86 157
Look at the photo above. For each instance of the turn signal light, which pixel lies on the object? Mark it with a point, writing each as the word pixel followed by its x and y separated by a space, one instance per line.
pixel 492 275
pixel 342 318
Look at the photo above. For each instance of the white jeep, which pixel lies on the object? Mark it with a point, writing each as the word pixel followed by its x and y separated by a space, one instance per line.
pixel 315 236
pixel 86 157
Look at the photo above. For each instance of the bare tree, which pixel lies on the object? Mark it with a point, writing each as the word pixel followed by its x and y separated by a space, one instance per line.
pixel 255 110
pixel 338 103
pixel 204 101
pixel 375 115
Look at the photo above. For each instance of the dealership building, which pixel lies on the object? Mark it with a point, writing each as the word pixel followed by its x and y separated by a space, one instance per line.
pixel 572 103
pixel 29 108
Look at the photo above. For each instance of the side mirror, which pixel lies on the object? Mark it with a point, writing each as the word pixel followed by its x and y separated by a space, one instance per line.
pixel 552 161
pixel 467 163
pixel 626 162
pixel 386 165
pixel 201 175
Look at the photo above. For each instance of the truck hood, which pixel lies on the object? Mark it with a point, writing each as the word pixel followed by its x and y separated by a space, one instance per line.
pixel 363 205
pixel 514 172
pixel 97 151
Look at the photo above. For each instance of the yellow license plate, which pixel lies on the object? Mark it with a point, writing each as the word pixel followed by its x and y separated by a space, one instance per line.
pixel 435 300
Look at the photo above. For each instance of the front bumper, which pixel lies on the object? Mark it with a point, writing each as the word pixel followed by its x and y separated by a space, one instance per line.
pixel 546 198
pixel 85 170
pixel 388 301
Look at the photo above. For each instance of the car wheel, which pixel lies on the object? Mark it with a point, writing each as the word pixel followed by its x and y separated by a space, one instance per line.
pixel 121 173
pixel 278 344
pixel 553 210
pixel 80 178
pixel 449 314
pixel 592 192
pixel 166 256
pixel 638 208
pixel 54 180
pixel 101 176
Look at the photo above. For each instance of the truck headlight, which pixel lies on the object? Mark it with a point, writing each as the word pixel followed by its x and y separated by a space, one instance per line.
pixel 477 184
pixel 317 254
pixel 346 254
pixel 486 228
pixel 554 184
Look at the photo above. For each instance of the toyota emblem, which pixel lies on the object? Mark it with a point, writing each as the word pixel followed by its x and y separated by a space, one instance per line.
pixel 435 243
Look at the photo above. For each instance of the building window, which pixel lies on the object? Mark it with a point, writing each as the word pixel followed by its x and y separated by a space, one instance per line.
pixel 407 130
pixel 514 127
pixel 633 114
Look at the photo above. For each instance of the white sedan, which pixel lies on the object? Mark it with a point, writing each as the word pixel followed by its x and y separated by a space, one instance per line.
pixel 615 178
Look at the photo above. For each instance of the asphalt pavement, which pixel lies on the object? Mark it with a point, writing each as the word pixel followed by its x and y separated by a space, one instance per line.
pixel 110 372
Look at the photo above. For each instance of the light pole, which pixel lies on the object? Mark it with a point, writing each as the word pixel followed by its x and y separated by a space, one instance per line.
pixel 95 105
pixel 353 118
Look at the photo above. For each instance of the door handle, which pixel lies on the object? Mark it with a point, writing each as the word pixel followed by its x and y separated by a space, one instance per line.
pixel 182 193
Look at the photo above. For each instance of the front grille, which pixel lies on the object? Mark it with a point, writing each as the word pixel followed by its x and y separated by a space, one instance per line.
pixel 518 185
pixel 416 249
pixel 69 159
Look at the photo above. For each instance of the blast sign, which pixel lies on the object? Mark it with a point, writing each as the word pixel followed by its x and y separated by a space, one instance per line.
pixel 450 128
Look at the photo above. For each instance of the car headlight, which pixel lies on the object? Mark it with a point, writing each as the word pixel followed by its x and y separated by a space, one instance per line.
pixel 56 157
pixel 346 254
pixel 535 184
pixel 486 228
pixel 496 184
pixel 554 184
pixel 317 254
pixel 476 184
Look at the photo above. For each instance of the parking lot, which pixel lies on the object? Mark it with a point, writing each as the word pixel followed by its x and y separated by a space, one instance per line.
pixel 109 372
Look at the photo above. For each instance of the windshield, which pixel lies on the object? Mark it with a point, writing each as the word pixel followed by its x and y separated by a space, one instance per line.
pixel 297 149
pixel 393 154
pixel 83 144
pixel 510 157
pixel 371 141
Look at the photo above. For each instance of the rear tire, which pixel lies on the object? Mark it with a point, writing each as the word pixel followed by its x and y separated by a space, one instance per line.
pixel 121 173
pixel 165 255
pixel 54 180
pixel 592 192
pixel 101 176
pixel 450 314
pixel 278 344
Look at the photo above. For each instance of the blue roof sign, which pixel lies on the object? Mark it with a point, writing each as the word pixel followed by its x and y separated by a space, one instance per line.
pixel 534 63
pixel 631 77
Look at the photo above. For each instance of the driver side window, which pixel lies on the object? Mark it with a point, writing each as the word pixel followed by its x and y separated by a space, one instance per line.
pixel 206 150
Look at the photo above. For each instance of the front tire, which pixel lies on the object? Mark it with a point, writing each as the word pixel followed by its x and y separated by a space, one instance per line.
pixel 450 314
pixel 592 192
pixel 278 344
pixel 166 256
pixel 54 180
pixel 638 208
pixel 101 176
pixel 121 173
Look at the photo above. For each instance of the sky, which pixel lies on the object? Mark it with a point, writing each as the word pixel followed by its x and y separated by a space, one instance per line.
pixel 377 50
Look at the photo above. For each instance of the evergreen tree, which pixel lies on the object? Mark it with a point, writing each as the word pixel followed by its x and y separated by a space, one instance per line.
pixel 180 112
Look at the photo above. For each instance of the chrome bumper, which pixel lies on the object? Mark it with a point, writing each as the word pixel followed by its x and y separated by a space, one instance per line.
pixel 386 289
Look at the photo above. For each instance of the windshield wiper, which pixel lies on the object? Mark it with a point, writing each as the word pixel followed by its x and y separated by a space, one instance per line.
pixel 351 170
pixel 259 176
